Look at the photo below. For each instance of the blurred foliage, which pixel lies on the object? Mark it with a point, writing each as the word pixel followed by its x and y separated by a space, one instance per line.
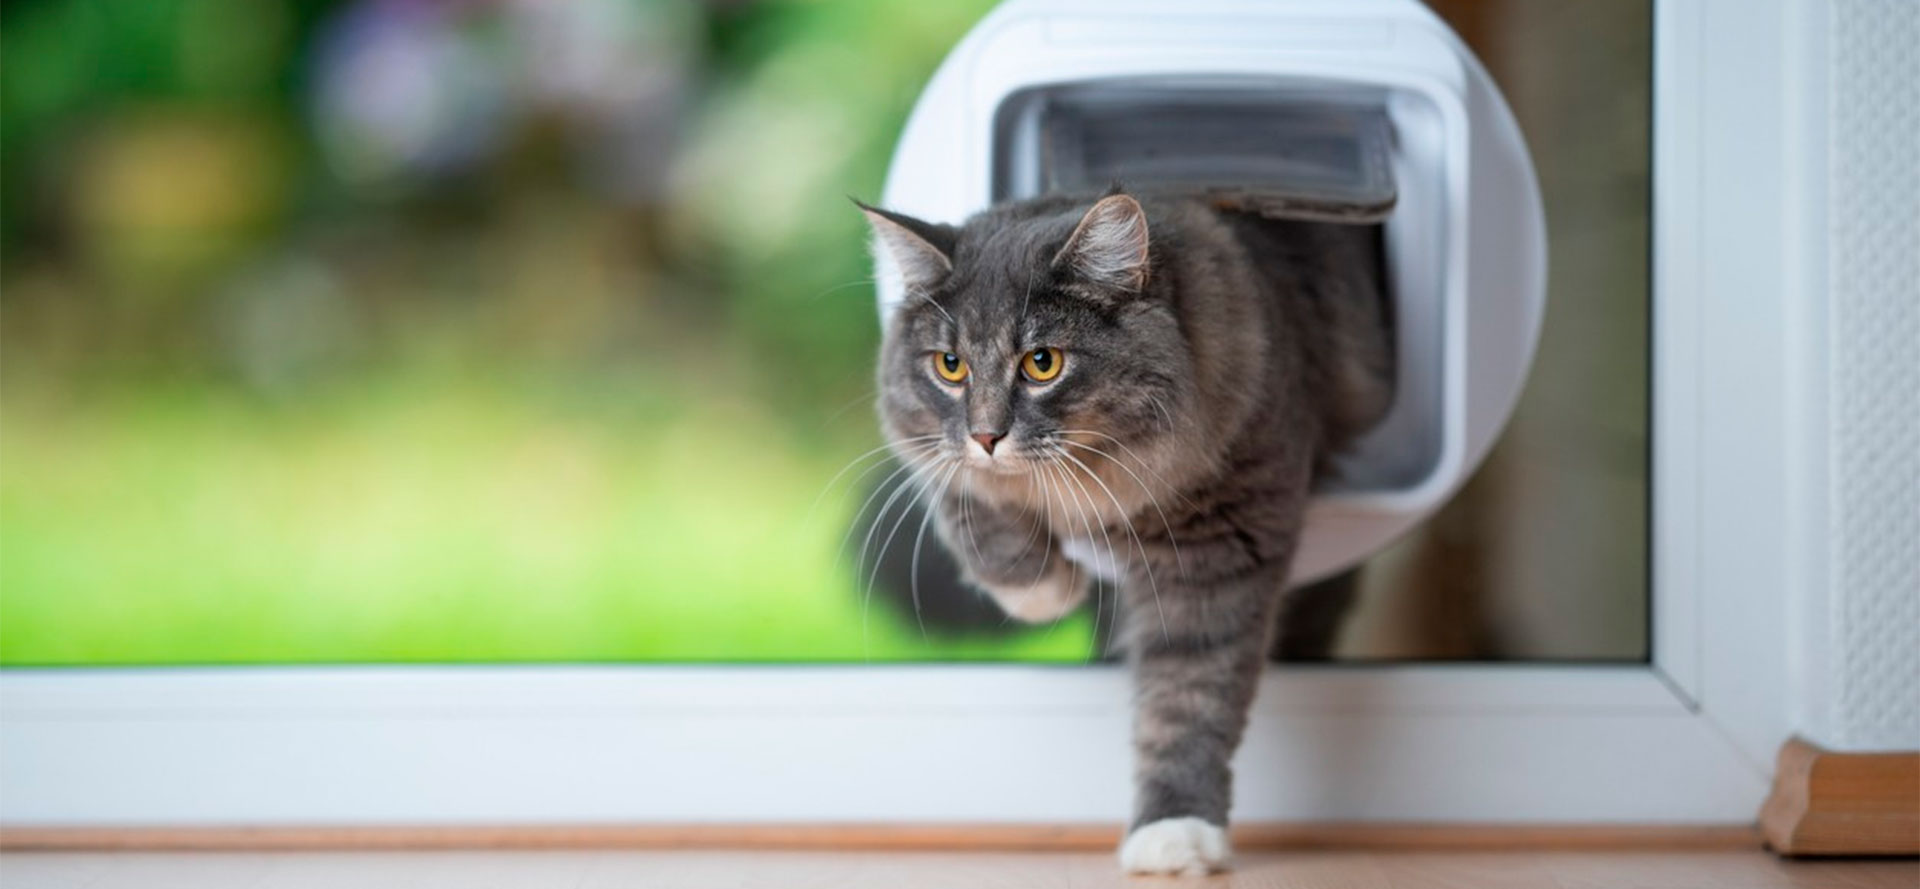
pixel 444 330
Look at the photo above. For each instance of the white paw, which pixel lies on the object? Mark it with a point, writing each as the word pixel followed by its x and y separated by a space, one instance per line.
pixel 1175 846
pixel 1043 602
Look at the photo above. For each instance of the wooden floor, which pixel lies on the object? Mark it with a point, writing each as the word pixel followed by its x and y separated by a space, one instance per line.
pixel 913 870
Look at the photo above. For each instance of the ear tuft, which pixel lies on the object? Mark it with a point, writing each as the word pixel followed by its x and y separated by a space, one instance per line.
pixel 1109 246
pixel 909 246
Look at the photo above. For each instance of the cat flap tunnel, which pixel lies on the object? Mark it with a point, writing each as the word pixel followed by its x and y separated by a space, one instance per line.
pixel 1348 112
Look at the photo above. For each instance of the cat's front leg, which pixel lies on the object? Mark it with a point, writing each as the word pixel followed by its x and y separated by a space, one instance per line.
pixel 1013 558
pixel 1197 654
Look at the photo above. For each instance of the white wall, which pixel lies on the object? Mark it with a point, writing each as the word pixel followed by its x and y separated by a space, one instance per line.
pixel 1858 624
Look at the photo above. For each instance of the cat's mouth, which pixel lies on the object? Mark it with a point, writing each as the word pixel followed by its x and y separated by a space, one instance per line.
pixel 1003 466
pixel 1004 461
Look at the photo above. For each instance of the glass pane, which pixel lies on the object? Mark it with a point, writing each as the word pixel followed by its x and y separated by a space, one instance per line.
pixel 1543 555
pixel 367 331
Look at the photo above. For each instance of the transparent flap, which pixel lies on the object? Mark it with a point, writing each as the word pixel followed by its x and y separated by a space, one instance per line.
pixel 1296 153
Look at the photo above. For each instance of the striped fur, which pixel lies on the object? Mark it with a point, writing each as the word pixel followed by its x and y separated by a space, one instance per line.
pixel 1212 362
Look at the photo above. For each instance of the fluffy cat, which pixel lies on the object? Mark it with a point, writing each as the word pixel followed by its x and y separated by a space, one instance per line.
pixel 1139 389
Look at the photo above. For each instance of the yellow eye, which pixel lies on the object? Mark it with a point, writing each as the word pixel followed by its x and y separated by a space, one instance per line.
pixel 1041 365
pixel 949 366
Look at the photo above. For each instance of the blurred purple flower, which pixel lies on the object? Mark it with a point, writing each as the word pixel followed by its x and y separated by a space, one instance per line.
pixel 410 91
pixel 401 92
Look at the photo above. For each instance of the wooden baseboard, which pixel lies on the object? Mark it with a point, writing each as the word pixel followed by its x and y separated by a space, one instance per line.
pixel 1826 803
pixel 968 837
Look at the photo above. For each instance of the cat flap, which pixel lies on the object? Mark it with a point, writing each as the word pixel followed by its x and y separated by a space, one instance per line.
pixel 1320 153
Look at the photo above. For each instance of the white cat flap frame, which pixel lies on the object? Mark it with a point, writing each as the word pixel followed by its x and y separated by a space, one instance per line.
pixel 1686 737
pixel 1466 242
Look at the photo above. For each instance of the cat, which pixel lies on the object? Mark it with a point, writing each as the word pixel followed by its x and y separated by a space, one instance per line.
pixel 1140 390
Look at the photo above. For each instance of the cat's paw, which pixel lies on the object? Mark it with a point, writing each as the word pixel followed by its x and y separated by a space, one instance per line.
pixel 1048 600
pixel 1176 846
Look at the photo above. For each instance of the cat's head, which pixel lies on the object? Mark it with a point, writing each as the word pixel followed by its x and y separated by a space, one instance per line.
pixel 1031 337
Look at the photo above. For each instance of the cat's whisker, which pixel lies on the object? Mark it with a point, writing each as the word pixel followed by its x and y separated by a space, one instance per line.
pixel 1140 546
pixel 842 286
pixel 913 446
pixel 906 509
pixel 907 485
pixel 1165 523
pixel 913 570
pixel 1092 511
pixel 1087 524
pixel 929 300
pixel 1044 472
pixel 1120 509
pixel 878 491
pixel 866 545
pixel 1026 509
pixel 1162 408
pixel 1137 459
pixel 1099 593
pixel 1037 530
pixel 850 405
pixel 1050 485
pixel 1026 300
pixel 966 519
pixel 1046 502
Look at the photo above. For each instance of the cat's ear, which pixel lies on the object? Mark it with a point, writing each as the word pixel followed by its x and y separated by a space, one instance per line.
pixel 1109 246
pixel 921 252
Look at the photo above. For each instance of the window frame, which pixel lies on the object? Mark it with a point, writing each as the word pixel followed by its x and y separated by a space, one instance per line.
pixel 1687 737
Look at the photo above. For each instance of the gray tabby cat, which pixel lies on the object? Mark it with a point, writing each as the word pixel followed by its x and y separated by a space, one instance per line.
pixel 1140 390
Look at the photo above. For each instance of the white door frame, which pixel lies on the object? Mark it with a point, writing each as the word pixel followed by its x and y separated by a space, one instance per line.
pixel 1687 738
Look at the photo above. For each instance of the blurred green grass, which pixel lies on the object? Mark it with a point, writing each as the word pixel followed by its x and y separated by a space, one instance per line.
pixel 260 404
pixel 435 520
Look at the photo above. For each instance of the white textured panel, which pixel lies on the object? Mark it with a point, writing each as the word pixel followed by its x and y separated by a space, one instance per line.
pixel 1873 209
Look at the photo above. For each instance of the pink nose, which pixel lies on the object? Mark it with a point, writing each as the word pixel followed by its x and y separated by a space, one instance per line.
pixel 988 439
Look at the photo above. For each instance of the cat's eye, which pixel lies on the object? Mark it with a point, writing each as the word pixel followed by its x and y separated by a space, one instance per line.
pixel 1041 365
pixel 949 366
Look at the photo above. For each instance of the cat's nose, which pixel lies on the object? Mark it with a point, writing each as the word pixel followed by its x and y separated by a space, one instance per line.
pixel 988 439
